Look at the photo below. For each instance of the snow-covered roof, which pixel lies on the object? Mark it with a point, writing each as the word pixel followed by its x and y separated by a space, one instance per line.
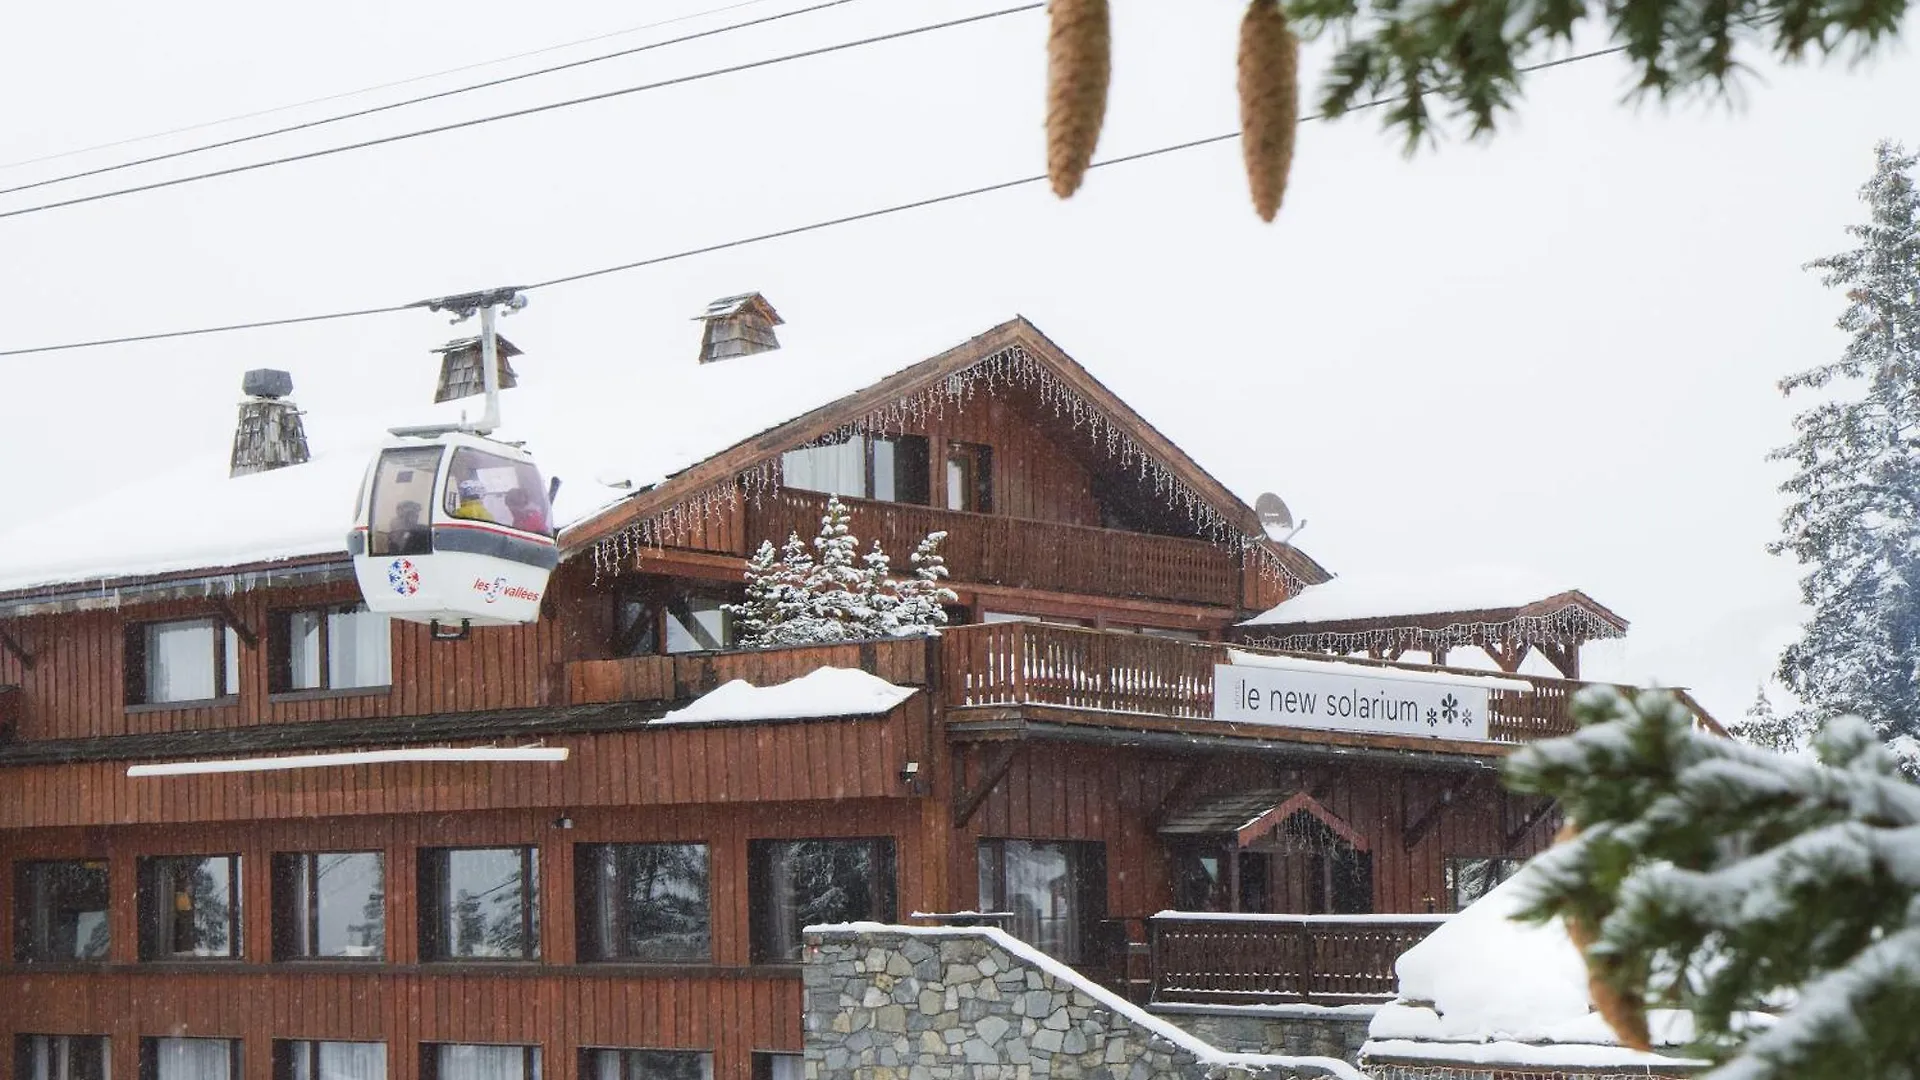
pixel 822 692
pixel 1484 988
pixel 1384 595
pixel 627 425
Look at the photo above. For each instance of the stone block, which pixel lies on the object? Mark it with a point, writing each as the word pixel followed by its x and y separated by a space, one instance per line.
pixel 1048 1040
pixel 992 1029
pixel 979 1053
pixel 890 1017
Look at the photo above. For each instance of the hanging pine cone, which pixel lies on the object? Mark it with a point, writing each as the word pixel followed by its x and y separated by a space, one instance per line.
pixel 1269 102
pixel 1079 61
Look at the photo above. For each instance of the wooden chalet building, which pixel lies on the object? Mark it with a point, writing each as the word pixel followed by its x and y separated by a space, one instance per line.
pixel 634 909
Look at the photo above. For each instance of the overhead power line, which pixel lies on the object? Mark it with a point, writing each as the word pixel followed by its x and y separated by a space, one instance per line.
pixel 307 125
pixel 826 223
pixel 410 80
pixel 384 140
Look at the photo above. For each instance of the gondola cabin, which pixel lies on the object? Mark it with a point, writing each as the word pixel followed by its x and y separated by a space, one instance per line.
pixel 453 529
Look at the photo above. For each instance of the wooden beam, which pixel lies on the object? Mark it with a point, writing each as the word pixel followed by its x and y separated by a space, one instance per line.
pixel 966 802
pixel 232 619
pixel 1412 834
pixel 1532 818
pixel 1510 658
pixel 1565 658
pixel 19 651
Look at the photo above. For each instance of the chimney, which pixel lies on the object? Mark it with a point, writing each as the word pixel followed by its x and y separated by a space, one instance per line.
pixel 738 326
pixel 460 374
pixel 269 434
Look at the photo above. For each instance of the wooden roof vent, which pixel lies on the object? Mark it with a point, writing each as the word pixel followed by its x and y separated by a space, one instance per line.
pixel 460 374
pixel 269 434
pixel 738 326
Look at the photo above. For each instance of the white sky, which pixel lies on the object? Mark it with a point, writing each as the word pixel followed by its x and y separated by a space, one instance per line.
pixel 1556 350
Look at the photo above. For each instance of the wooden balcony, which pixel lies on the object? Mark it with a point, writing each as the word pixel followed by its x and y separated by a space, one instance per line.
pixel 1277 959
pixel 676 678
pixel 1037 664
pixel 991 550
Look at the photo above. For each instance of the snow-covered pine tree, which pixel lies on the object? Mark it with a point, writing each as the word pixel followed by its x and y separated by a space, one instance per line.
pixel 1724 879
pixel 1854 521
pixel 1764 725
pixel 882 598
pixel 842 595
pixel 754 617
pixel 839 589
pixel 921 599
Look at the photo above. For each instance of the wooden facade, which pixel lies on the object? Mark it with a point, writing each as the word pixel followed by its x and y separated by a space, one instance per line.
pixel 1091 733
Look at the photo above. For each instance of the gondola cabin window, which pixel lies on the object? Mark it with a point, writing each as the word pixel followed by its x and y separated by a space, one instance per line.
pixel 189 1059
pixel 402 495
pixel 793 884
pixel 305 1059
pixel 473 1061
pixel 490 488
pixel 889 468
pixel 190 907
pixel 610 1064
pixel 480 904
pixel 60 912
pixel 644 903
pixel 335 648
pixel 186 661
pixel 61 1057
pixel 329 905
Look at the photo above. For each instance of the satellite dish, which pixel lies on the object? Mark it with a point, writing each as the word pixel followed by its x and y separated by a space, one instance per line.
pixel 1275 518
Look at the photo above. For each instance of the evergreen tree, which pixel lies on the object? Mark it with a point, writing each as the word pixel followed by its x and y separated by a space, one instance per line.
pixel 1720 878
pixel 842 595
pixel 922 598
pixel 766 587
pixel 1765 727
pixel 1854 520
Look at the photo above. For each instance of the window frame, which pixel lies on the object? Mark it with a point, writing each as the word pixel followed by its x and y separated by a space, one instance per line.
pixel 433 913
pixel 869 471
pixel 150 1053
pixel 286 1050
pixel 1500 868
pixel 1087 884
pixel 25 918
pixel 23 1044
pixel 627 1070
pixel 282 881
pixel 977 493
pixel 763 1062
pixel 761 915
pixel 651 601
pixel 280 653
pixel 137 680
pixel 149 921
pixel 589 918
pixel 531 1066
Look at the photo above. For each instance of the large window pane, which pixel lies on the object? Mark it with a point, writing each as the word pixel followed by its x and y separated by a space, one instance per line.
pixel 696 623
pixel 303 630
pixel 189 1059
pixel 189 907
pixel 1055 890
pixel 1469 879
pixel 60 912
pixel 180 661
pixel 465 1061
pixel 798 883
pixel 901 469
pixel 646 1065
pixel 835 469
pixel 60 1057
pixel 769 1065
pixel 642 902
pixel 329 904
pixel 300 1059
pixel 480 904
pixel 359 648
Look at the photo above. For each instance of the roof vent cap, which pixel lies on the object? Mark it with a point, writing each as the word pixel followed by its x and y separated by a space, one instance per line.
pixel 738 326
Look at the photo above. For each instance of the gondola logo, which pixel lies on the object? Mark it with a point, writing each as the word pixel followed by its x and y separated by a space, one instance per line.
pixel 404 578
pixel 498 587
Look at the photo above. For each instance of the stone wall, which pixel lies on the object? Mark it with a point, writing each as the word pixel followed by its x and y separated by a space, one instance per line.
pixel 1276 1029
pixel 897 1003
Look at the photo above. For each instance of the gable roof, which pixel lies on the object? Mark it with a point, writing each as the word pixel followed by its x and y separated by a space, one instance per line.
pixel 625 451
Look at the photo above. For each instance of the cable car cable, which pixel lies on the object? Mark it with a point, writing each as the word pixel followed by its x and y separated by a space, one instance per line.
pixel 408 81
pixel 896 208
pixel 435 96
pixel 530 110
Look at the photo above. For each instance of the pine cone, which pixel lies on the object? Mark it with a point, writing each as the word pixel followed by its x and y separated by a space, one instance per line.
pixel 1079 61
pixel 1269 102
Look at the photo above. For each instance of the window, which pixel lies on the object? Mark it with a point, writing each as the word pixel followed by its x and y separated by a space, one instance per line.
pixel 302 1059
pixel 1469 879
pixel 662 616
pixel 891 468
pixel 695 622
pixel 192 660
pixel 797 883
pixel 190 907
pixel 490 487
pixel 1055 889
pixel 336 648
pixel 469 1061
pixel 642 902
pixel 329 905
pixel 970 477
pixel 189 1059
pixel 60 1057
pixel 402 492
pixel 769 1065
pixel 646 1065
pixel 59 912
pixel 480 904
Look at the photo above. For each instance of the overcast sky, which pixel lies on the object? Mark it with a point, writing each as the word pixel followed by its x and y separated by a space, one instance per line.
pixel 1555 350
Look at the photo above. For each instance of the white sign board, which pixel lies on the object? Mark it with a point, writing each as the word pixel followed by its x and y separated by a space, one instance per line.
pixel 1365 701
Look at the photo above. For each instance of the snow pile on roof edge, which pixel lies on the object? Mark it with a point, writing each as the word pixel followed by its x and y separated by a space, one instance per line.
pixel 823 692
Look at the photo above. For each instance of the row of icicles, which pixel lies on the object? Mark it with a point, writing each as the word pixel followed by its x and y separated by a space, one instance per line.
pixel 1079 62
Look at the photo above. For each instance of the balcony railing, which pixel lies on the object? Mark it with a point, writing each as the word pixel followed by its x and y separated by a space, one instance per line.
pixel 1276 959
pixel 675 678
pixel 989 549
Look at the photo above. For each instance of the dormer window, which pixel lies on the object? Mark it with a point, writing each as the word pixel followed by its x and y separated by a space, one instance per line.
pixel 890 468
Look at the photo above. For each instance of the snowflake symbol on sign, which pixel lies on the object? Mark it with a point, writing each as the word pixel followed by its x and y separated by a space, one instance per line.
pixel 1466 716
pixel 403 577
pixel 1433 718
pixel 1450 708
